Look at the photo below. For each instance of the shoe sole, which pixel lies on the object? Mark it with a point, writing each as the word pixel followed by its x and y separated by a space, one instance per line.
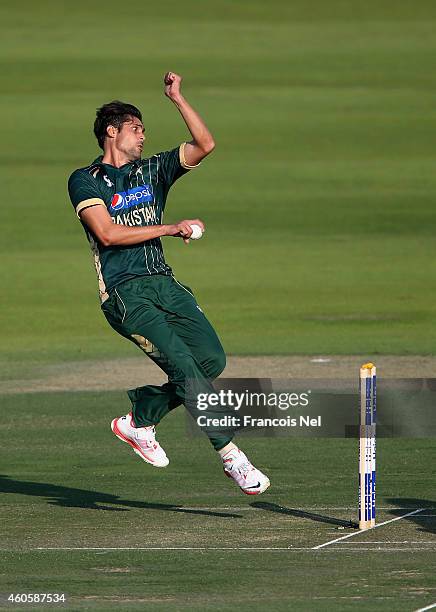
pixel 123 438
pixel 263 487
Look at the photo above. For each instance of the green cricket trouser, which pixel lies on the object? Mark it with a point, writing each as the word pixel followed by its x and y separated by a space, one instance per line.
pixel 162 317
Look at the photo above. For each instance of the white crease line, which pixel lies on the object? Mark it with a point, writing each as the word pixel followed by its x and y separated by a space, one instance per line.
pixel 302 509
pixel 350 535
pixel 426 608
pixel 213 508
pixel 172 548
pixel 212 548
pixel 380 549
pixel 433 542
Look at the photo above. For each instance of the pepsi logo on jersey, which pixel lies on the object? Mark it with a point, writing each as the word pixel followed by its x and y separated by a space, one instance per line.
pixel 136 195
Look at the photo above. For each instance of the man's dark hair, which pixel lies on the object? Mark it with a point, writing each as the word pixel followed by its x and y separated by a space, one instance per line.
pixel 113 113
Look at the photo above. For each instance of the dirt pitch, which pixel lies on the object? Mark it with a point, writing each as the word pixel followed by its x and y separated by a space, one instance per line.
pixel 137 371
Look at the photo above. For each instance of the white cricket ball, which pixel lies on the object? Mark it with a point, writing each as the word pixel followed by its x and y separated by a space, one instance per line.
pixel 197 232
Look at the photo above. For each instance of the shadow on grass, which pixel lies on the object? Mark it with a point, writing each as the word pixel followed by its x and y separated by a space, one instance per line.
pixel 68 497
pixel 425 520
pixel 319 518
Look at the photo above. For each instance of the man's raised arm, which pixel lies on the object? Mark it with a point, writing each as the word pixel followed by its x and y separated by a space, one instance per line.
pixel 202 142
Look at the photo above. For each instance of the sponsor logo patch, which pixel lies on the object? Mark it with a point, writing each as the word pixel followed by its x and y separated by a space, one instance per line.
pixel 127 199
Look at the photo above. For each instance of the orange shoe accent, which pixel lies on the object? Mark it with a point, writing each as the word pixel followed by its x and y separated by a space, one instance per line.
pixel 123 438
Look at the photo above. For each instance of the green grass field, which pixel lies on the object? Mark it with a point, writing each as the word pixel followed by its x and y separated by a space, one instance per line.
pixel 128 536
pixel 318 200
pixel 319 206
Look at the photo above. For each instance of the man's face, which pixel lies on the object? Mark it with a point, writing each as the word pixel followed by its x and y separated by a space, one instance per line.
pixel 129 139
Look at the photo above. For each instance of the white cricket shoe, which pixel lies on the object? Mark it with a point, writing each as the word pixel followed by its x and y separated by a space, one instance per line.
pixel 250 480
pixel 141 439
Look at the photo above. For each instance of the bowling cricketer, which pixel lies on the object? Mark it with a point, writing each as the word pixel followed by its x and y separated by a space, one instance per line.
pixel 120 200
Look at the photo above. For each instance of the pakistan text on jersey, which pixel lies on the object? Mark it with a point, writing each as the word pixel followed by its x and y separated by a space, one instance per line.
pixel 139 216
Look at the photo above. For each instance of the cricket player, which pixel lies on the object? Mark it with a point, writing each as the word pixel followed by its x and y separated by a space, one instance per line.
pixel 120 200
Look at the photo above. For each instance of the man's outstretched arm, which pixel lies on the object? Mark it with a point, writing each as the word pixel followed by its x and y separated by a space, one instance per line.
pixel 99 221
pixel 202 142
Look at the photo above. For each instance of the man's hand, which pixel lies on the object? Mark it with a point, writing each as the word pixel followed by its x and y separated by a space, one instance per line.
pixel 172 85
pixel 183 229
pixel 202 142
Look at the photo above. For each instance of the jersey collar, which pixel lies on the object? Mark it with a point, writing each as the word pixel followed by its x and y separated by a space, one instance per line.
pixel 123 169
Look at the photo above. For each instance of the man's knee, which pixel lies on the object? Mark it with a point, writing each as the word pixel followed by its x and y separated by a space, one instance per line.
pixel 217 363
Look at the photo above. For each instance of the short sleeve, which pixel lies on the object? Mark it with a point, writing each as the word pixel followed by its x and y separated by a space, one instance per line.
pixel 172 164
pixel 83 191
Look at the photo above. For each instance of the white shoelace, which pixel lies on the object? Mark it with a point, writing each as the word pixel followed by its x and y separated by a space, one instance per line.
pixel 244 467
pixel 150 440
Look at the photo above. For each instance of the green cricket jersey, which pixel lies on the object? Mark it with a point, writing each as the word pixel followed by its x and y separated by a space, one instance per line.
pixel 134 195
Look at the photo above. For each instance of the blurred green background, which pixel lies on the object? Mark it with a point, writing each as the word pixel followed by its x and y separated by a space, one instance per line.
pixel 319 199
